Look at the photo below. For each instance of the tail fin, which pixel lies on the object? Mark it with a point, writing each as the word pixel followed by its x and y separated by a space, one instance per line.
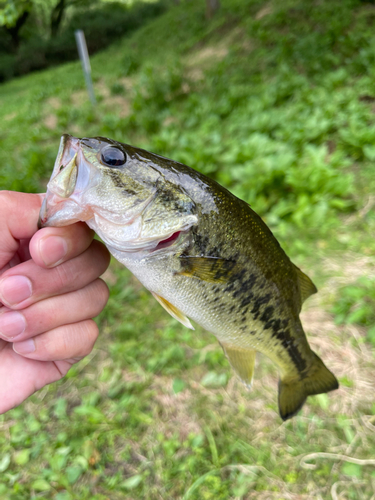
pixel 294 391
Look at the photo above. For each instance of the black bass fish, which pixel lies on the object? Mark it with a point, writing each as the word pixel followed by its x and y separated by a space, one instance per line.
pixel 203 253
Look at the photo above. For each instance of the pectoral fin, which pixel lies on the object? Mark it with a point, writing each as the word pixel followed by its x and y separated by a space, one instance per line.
pixel 173 311
pixel 242 361
pixel 210 269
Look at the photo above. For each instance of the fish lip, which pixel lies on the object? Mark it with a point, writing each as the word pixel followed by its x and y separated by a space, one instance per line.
pixel 42 214
pixel 70 147
pixel 48 215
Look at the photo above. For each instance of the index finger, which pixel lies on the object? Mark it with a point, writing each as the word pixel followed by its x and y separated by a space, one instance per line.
pixel 18 221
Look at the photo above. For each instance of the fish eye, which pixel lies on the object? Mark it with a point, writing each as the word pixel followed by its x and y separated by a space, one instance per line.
pixel 113 157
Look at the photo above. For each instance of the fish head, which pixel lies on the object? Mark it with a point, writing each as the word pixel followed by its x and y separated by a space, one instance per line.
pixel 116 190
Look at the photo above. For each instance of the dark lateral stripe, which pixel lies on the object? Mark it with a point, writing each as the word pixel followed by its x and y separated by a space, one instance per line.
pixel 258 302
pixel 282 334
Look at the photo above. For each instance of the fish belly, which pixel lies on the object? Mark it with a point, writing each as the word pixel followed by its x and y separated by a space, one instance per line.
pixel 217 311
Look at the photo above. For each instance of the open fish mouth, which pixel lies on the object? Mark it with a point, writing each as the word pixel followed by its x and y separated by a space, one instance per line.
pixel 70 177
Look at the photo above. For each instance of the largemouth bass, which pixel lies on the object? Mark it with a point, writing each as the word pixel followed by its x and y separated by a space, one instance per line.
pixel 203 253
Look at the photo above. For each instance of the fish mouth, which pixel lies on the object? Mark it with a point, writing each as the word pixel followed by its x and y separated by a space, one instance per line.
pixel 61 204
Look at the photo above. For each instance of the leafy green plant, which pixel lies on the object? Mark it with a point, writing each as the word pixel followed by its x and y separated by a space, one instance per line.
pixel 156 90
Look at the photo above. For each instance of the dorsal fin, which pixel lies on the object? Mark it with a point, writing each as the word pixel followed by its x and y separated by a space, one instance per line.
pixel 306 286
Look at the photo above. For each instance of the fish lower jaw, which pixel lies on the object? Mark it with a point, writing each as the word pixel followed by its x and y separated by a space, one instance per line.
pixel 128 238
pixel 133 253
pixel 57 211
pixel 144 247
pixel 123 239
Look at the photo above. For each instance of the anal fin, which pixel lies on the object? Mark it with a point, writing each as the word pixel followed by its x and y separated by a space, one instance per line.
pixel 242 361
pixel 173 311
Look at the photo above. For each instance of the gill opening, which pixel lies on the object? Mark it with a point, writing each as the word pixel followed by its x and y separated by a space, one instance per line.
pixel 168 241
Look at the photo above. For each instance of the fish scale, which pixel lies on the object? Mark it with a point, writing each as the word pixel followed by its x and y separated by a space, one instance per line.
pixel 202 252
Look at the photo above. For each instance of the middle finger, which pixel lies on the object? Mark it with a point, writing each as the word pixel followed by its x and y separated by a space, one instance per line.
pixel 28 283
pixel 45 315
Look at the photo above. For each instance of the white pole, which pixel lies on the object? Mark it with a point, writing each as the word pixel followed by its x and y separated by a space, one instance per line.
pixel 84 56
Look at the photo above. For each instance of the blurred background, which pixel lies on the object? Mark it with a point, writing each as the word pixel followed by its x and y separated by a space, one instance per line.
pixel 276 101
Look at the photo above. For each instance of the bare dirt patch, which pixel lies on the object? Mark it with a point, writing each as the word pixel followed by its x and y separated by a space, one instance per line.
pixel 119 105
pixel 207 54
pixel 175 409
pixel 50 121
pixel 51 105
pixel 210 55
pixel 349 270
pixel 11 116
pixel 264 11
pixel 54 103
pixel 79 97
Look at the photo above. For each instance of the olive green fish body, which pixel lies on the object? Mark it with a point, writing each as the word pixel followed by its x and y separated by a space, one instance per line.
pixel 202 252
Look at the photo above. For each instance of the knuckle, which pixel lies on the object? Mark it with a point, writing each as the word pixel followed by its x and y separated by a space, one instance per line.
pixel 100 255
pixel 84 230
pixel 99 293
pixel 91 335
pixel 63 276
pixel 105 290
pixel 79 236
pixel 6 201
pixel 64 347
pixel 93 331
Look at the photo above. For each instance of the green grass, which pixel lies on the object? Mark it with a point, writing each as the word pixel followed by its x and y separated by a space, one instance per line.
pixel 277 102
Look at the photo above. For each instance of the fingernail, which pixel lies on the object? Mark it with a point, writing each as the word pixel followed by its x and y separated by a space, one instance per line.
pixel 24 347
pixel 52 250
pixel 15 289
pixel 12 324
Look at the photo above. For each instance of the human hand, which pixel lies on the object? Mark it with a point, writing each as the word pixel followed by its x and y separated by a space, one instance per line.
pixel 49 291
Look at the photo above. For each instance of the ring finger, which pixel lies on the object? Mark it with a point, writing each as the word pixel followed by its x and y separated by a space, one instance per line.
pixel 69 342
